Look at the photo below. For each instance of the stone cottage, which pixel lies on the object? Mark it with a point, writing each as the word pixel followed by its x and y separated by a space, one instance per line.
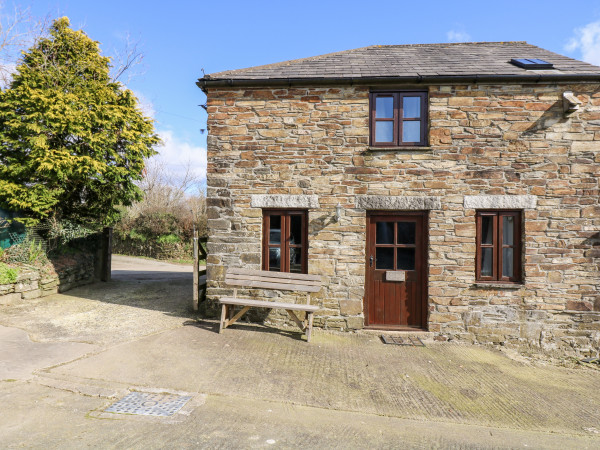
pixel 451 188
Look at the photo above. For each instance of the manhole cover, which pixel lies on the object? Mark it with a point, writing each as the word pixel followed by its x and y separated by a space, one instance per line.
pixel 413 341
pixel 146 404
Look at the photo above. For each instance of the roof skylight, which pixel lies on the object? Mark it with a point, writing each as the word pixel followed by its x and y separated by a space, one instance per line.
pixel 532 63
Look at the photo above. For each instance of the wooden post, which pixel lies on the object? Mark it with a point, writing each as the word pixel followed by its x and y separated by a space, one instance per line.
pixel 196 272
pixel 106 253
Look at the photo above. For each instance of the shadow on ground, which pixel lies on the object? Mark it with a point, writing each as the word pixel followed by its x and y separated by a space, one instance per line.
pixel 213 325
pixel 145 297
pixel 144 283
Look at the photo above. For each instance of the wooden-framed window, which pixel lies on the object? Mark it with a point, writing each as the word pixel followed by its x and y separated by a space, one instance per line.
pixel 285 240
pixel 398 118
pixel 498 246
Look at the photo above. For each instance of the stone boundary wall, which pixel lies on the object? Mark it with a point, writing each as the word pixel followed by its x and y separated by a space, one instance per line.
pixel 34 283
pixel 495 144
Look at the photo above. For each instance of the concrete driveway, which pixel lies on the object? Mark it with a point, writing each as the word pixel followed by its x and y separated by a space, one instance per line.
pixel 66 358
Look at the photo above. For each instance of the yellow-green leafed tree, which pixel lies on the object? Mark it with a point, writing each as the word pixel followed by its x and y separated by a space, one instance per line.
pixel 72 140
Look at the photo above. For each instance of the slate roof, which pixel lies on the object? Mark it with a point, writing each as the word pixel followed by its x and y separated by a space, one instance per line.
pixel 423 61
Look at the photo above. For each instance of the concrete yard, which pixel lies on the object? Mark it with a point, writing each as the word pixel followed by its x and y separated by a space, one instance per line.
pixel 66 358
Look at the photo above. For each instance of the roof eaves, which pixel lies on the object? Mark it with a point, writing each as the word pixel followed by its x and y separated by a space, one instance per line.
pixel 210 82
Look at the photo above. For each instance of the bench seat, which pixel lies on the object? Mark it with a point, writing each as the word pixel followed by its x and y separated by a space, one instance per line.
pixel 266 304
pixel 280 281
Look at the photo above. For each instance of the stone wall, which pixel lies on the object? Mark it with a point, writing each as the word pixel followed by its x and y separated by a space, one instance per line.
pixel 507 141
pixel 64 275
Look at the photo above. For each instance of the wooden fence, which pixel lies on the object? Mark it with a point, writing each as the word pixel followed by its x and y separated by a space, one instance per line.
pixel 199 294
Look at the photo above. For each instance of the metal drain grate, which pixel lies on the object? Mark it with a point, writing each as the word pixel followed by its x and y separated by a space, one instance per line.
pixel 413 341
pixel 145 404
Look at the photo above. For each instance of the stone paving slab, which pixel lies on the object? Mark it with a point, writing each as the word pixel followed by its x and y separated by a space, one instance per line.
pixel 20 357
pixel 64 420
pixel 442 382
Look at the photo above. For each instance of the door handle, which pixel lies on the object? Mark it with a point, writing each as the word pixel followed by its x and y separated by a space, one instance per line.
pixel 371 261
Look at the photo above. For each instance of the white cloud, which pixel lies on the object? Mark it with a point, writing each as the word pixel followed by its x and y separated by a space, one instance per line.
pixel 179 160
pixel 587 41
pixel 178 156
pixel 458 36
pixel 145 104
pixel 7 70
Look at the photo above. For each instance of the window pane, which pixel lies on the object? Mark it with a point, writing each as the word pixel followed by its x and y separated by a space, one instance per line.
pixel 296 230
pixel 295 260
pixel 384 233
pixel 384 131
pixel 487 229
pixel 406 232
pixel 507 262
pixel 406 259
pixel 411 131
pixel 275 230
pixel 275 259
pixel 487 255
pixel 508 230
pixel 411 107
pixel 384 108
pixel 384 258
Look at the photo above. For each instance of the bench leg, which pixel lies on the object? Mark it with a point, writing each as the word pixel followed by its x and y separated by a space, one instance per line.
pixel 223 318
pixel 294 317
pixel 309 327
pixel 234 319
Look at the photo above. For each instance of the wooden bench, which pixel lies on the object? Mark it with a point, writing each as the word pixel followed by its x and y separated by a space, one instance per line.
pixel 262 279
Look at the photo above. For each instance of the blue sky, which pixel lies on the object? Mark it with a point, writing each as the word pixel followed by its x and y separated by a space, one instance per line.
pixel 180 38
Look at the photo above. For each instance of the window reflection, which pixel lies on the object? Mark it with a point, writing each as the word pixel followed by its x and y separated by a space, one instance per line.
pixel 384 258
pixel 406 259
pixel 487 229
pixel 486 261
pixel 412 107
pixel 384 233
pixel 508 230
pixel 406 232
pixel 384 107
pixel 507 262
pixel 295 260
pixel 296 230
pixel 384 131
pixel 275 230
pixel 274 259
pixel 411 131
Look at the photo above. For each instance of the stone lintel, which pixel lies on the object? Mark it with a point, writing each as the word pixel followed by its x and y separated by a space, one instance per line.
pixel 387 202
pixel 500 201
pixel 284 201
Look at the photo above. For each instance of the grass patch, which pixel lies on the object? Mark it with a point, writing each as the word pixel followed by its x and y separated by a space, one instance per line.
pixel 8 275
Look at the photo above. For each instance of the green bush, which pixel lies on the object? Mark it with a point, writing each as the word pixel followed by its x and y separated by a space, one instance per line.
pixel 27 252
pixel 61 232
pixel 8 275
pixel 133 234
pixel 168 239
pixel 156 224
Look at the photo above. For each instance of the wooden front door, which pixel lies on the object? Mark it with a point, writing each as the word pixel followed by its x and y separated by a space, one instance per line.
pixel 396 273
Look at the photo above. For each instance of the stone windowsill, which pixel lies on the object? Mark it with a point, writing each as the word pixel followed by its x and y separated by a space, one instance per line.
pixel 395 149
pixel 499 285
